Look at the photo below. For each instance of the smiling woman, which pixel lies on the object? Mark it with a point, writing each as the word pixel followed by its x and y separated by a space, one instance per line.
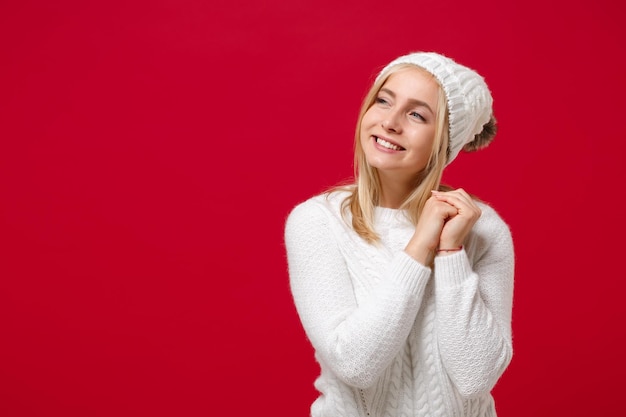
pixel 398 131
pixel 404 286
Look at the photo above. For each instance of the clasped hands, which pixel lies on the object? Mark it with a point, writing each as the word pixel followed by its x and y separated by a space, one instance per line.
pixel 445 222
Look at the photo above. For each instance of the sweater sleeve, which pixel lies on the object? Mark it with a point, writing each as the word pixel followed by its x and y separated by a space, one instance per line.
pixel 357 341
pixel 474 306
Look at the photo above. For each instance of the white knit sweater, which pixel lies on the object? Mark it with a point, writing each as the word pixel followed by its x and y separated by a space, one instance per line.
pixel 392 336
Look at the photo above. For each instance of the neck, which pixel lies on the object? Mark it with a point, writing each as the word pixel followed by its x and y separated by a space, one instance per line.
pixel 394 190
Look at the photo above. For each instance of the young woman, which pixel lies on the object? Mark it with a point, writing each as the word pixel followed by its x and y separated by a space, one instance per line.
pixel 403 286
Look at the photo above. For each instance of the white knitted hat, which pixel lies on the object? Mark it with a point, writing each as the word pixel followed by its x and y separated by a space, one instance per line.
pixel 469 99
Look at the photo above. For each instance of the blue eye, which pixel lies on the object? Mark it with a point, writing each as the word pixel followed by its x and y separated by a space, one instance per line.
pixel 417 115
pixel 381 100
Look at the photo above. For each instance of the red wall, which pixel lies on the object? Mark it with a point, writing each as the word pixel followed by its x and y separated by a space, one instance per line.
pixel 151 150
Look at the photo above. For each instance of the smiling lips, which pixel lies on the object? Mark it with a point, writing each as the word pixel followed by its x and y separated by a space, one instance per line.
pixel 388 145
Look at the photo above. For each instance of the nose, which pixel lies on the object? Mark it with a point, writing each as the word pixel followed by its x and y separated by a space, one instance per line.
pixel 391 122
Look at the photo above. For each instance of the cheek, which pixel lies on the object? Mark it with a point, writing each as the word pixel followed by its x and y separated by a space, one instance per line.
pixel 363 139
pixel 364 130
pixel 369 117
pixel 425 137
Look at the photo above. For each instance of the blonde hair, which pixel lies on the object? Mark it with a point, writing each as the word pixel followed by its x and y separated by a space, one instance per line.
pixel 365 193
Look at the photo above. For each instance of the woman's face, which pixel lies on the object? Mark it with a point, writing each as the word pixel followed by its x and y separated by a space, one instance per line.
pixel 398 130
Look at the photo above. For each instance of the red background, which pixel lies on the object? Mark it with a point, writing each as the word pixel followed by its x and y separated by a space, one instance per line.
pixel 151 150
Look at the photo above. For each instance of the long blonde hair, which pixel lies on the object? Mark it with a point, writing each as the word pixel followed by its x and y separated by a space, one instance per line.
pixel 365 193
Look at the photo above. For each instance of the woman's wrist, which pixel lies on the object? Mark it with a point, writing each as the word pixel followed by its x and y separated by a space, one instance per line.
pixel 449 250
pixel 420 253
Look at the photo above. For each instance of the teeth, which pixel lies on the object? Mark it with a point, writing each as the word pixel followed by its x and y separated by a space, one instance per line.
pixel 388 145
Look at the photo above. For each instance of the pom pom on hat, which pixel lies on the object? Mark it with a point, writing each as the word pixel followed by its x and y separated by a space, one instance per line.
pixel 469 99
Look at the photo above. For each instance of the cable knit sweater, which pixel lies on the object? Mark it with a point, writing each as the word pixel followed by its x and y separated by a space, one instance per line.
pixel 392 336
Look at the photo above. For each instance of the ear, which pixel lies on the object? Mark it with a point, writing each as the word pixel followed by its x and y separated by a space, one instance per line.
pixel 484 138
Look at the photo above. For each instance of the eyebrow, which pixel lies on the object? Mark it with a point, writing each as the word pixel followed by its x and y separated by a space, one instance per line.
pixel 413 101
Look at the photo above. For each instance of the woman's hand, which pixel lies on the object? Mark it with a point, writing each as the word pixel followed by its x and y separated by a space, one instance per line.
pixel 445 222
pixel 458 225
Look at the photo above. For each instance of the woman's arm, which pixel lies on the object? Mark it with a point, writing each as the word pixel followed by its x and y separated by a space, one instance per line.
pixel 356 340
pixel 474 305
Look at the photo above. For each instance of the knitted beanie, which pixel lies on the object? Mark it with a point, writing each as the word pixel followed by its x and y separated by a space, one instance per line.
pixel 469 99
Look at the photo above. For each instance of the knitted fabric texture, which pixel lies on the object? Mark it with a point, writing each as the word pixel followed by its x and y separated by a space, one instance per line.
pixel 469 100
pixel 393 337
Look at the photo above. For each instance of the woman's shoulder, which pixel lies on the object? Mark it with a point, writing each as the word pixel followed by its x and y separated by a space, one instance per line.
pixel 330 201
pixel 318 215
pixel 488 211
pixel 490 221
